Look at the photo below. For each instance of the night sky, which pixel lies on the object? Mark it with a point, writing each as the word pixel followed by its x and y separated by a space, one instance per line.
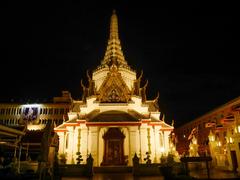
pixel 187 53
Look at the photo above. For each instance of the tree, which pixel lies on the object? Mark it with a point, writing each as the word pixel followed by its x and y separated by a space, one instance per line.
pixel 79 158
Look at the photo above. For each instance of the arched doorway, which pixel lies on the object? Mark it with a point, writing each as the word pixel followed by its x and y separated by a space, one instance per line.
pixel 113 147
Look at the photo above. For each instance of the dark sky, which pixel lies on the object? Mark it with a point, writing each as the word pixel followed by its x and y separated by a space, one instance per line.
pixel 187 53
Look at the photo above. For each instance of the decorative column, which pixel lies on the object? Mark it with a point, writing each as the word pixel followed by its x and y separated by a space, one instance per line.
pixel 126 146
pixel 102 131
pixel 166 141
pixel 133 143
pixel 94 144
pixel 157 144
pixel 70 145
pixel 143 142
pixel 84 142
pixel 73 145
pixel 61 149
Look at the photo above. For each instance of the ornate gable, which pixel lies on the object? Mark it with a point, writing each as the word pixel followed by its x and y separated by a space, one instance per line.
pixel 114 89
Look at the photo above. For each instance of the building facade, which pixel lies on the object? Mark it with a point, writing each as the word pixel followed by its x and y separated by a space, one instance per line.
pixel 23 126
pixel 217 133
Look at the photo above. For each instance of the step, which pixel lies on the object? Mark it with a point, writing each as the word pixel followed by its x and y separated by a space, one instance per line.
pixel 112 169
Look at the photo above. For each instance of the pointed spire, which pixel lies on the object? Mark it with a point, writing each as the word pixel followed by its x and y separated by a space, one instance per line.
pixel 114 26
pixel 114 52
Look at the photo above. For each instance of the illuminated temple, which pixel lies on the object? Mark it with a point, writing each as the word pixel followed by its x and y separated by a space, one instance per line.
pixel 114 120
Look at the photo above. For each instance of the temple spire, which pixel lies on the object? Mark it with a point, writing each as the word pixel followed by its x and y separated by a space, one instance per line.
pixel 114 26
pixel 114 52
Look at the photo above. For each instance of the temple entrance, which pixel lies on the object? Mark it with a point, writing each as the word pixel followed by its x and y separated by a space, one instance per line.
pixel 113 147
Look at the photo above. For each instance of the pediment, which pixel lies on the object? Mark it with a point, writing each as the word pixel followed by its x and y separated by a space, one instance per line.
pixel 114 89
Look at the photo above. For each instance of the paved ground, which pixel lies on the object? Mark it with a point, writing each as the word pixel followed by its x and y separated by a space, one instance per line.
pixel 214 174
pixel 107 176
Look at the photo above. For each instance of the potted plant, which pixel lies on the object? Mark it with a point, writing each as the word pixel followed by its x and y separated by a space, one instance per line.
pixel 62 158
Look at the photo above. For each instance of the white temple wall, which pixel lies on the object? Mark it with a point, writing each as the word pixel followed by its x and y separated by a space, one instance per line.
pixel 90 106
pixel 137 105
pixel 137 140
pixel 72 115
pixel 112 106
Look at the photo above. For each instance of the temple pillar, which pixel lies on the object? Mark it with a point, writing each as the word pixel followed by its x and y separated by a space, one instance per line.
pixel 143 142
pixel 133 143
pixel 102 131
pixel 166 141
pixel 126 145
pixel 70 145
pixel 157 144
pixel 61 142
pixel 94 144
pixel 84 142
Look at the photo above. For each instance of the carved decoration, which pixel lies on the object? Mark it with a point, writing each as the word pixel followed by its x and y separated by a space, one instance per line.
pixel 143 92
pixel 91 85
pixel 90 90
pixel 155 101
pixel 114 89
pixel 137 82
pixel 85 91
